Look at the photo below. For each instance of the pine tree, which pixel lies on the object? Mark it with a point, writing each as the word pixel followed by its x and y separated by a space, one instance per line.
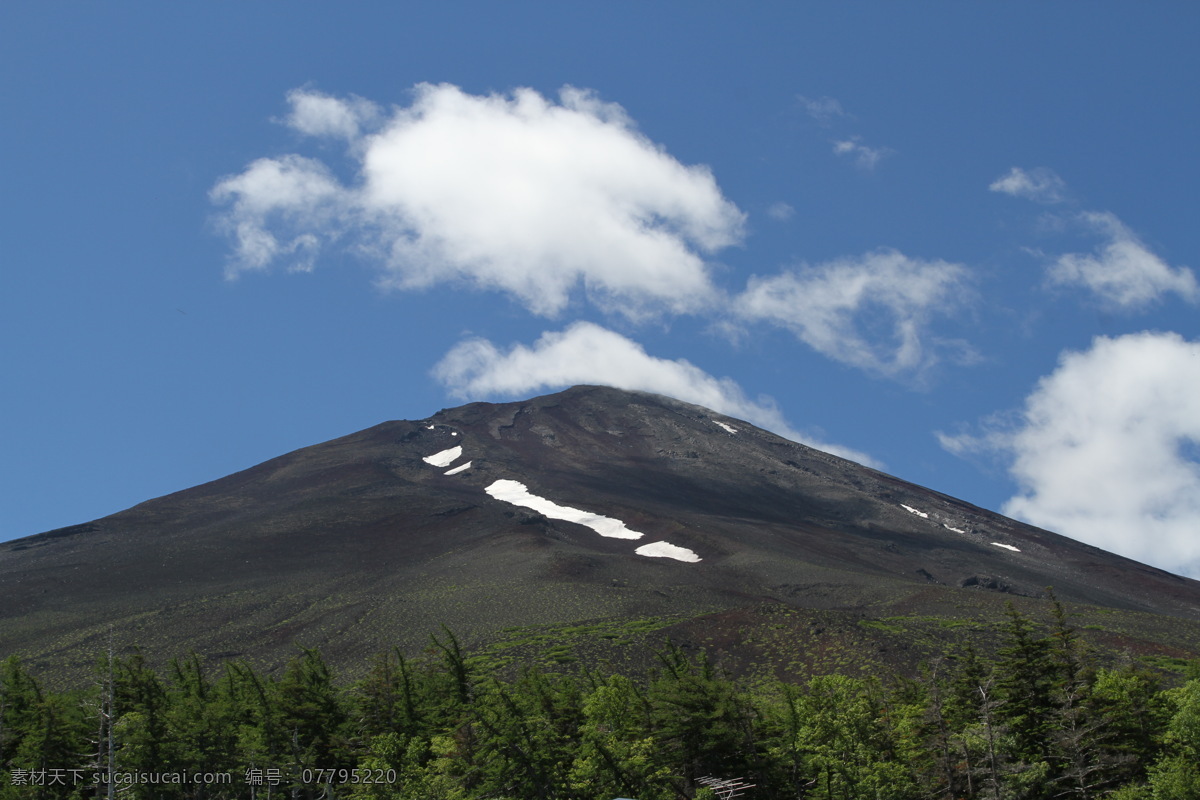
pixel 1025 678
pixel 53 740
pixel 261 741
pixel 202 725
pixel 946 774
pixel 616 752
pixel 701 724
pixel 1129 699
pixel 139 726
pixel 309 711
pixel 20 697
pixel 456 669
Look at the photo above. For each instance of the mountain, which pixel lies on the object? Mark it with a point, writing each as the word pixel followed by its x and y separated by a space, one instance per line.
pixel 594 515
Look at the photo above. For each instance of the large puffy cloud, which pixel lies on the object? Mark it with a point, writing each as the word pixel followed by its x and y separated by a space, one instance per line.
pixel 1105 450
pixel 1122 272
pixel 585 353
pixel 839 308
pixel 516 193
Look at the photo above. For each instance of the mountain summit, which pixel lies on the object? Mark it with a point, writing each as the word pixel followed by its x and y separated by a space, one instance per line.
pixel 587 505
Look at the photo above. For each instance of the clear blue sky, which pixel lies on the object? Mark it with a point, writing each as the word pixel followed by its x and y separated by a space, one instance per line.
pixel 957 239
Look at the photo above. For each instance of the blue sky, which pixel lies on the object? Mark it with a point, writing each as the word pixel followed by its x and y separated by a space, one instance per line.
pixel 958 240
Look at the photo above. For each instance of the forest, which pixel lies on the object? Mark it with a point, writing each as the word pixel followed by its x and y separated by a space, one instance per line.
pixel 1038 719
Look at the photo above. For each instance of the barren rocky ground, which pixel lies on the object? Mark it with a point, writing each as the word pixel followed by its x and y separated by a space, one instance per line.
pixel 805 560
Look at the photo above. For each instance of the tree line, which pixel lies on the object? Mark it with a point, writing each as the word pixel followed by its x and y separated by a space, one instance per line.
pixel 1038 720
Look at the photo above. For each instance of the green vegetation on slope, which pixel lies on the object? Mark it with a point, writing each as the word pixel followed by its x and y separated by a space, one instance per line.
pixel 1040 720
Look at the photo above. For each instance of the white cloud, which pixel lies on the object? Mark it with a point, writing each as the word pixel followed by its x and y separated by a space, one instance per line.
pixel 280 207
pixel 1105 449
pixel 585 353
pixel 1040 185
pixel 781 211
pixel 316 114
pixel 1122 272
pixel 823 109
pixel 837 307
pixel 966 444
pixel 509 192
pixel 865 157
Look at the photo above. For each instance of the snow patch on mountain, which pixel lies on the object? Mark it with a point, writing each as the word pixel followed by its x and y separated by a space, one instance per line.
pixel 1006 547
pixel 729 428
pixel 519 495
pixel 912 510
pixel 458 469
pixel 667 550
pixel 444 458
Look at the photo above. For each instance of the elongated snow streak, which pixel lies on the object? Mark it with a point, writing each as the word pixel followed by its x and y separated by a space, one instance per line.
pixel 667 550
pixel 949 528
pixel 444 458
pixel 458 469
pixel 518 494
pixel 1006 547
pixel 912 510
pixel 729 428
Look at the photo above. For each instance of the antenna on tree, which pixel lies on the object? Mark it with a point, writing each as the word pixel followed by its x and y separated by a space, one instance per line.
pixel 725 788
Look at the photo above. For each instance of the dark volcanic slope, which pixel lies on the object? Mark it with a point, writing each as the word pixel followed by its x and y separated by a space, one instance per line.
pixel 358 544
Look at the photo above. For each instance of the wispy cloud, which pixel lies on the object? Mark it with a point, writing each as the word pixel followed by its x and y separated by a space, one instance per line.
pixel 1101 449
pixel 837 308
pixel 587 353
pixel 823 109
pixel 781 212
pixel 1122 272
pixel 864 157
pixel 515 193
pixel 1040 185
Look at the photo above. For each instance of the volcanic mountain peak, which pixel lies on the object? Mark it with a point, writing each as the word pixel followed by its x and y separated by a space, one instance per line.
pixel 593 503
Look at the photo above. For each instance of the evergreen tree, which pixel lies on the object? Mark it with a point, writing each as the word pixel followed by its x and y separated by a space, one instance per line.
pixel 1081 764
pixel 964 730
pixel 20 698
pixel 616 756
pixel 701 724
pixel 309 712
pixel 1130 700
pixel 944 768
pixel 456 671
pixel 202 725
pixel 1176 775
pixel 261 741
pixel 780 734
pixel 139 710
pixel 528 732
pixel 387 700
pixel 52 742
pixel 850 747
pixel 1026 680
